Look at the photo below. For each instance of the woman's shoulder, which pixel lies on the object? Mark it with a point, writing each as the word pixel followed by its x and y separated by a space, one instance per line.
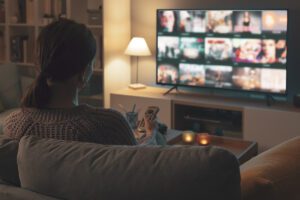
pixel 17 114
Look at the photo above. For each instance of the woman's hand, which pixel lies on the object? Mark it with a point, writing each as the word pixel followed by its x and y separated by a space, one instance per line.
pixel 150 125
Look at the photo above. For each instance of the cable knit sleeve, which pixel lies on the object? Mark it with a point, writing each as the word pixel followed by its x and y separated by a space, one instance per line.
pixel 15 124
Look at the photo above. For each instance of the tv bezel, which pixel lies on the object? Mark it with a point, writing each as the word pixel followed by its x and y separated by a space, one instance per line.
pixel 218 88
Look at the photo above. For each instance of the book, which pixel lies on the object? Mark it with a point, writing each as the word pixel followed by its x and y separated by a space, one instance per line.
pixel 30 11
pixel 25 50
pixel 22 11
pixel 19 48
pixel 2 11
pixel 57 8
pixel 47 7
pixel 15 49
pixel 2 46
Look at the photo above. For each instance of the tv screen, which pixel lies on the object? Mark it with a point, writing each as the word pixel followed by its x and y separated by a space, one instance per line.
pixel 229 49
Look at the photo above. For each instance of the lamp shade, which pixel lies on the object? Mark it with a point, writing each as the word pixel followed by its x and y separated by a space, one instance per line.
pixel 137 47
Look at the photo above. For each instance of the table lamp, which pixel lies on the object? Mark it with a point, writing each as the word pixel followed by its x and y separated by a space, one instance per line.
pixel 137 47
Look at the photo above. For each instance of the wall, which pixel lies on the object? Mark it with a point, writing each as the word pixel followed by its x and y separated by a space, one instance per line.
pixel 116 23
pixel 143 23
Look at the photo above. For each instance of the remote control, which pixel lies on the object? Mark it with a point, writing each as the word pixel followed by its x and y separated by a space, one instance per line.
pixel 150 113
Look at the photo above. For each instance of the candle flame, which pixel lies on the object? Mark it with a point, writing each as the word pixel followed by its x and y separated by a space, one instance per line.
pixel 188 137
pixel 203 141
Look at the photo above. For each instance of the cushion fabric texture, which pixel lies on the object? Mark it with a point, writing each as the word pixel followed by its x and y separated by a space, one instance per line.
pixel 274 174
pixel 8 192
pixel 8 160
pixel 77 170
pixel 10 90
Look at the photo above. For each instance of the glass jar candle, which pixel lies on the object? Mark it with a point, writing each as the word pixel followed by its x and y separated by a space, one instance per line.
pixel 188 137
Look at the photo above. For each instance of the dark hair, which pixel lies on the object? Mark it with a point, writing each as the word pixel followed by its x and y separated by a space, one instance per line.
pixel 64 49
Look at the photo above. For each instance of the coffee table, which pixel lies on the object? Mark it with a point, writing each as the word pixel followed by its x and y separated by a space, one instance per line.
pixel 242 149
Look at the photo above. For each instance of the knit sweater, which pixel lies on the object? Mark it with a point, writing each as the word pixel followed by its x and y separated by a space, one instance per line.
pixel 81 123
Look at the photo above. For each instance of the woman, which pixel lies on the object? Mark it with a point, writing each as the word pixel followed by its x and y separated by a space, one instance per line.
pixel 50 109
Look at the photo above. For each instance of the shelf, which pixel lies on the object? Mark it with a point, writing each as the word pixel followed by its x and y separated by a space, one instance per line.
pixel 210 120
pixel 94 26
pixel 21 25
pixel 25 64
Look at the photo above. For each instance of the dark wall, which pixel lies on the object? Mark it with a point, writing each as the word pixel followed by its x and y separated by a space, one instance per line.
pixel 143 19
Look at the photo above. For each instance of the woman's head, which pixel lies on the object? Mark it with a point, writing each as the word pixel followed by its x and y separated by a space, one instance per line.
pixel 64 49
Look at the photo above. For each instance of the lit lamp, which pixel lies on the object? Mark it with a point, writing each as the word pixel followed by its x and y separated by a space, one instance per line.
pixel 203 139
pixel 188 137
pixel 137 47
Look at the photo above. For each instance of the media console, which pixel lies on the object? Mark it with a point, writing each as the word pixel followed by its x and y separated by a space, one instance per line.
pixel 242 118
pixel 216 121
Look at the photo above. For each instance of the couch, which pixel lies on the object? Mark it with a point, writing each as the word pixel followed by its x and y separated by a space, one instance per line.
pixel 53 169
pixel 10 91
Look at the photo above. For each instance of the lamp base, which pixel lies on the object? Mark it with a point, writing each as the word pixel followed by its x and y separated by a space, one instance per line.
pixel 137 86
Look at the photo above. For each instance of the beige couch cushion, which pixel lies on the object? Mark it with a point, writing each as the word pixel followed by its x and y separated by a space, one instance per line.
pixel 274 174
pixel 8 160
pixel 75 170
pixel 10 91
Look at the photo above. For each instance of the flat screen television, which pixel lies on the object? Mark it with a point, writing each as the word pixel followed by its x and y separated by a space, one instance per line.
pixel 229 49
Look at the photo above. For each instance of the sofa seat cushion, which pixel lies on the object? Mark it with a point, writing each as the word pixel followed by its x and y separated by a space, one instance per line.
pixel 77 170
pixel 8 192
pixel 8 160
pixel 274 174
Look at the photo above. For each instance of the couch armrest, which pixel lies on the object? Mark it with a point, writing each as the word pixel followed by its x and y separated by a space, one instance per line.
pixel 274 174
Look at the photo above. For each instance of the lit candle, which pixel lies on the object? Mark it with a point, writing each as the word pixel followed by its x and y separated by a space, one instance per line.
pixel 203 139
pixel 188 137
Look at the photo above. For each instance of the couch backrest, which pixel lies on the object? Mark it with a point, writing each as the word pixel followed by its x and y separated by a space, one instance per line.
pixel 10 91
pixel 76 170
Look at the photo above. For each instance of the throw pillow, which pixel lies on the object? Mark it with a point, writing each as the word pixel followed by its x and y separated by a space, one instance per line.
pixel 8 160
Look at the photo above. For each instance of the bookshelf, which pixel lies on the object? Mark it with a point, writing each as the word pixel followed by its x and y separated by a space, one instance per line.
pixel 22 20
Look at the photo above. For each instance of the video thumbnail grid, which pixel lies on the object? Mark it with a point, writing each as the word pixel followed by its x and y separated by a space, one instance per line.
pixel 222 21
pixel 228 51
pixel 220 76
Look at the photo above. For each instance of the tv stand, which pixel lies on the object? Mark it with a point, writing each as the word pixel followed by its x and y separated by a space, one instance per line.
pixel 170 90
pixel 270 99
pixel 250 119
